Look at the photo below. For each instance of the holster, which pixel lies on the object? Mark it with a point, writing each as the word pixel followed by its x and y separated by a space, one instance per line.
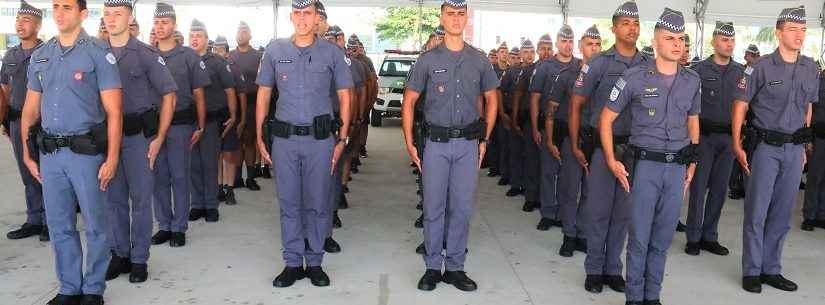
pixel 146 122
pixel 34 132
pixel 588 142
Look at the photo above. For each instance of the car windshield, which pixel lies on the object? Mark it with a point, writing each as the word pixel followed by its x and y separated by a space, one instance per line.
pixel 397 68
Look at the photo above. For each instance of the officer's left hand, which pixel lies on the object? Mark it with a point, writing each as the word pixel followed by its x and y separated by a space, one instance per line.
pixel 154 149
pixel 239 129
pixel 554 151
pixel 336 156
pixel 691 170
pixel 620 173
pixel 196 136
pixel 106 173
pixel 227 127
pixel 537 137
pixel 482 150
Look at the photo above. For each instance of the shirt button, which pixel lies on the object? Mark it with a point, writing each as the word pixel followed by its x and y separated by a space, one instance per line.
pixel 458 81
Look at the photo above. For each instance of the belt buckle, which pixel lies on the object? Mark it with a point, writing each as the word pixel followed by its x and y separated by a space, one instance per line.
pixel 455 133
pixel 670 157
pixel 301 131
pixel 61 142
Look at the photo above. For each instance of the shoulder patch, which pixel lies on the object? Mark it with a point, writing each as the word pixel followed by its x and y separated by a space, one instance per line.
pixel 348 61
pixel 111 58
pixel 621 83
pixel 614 94
pixel 749 70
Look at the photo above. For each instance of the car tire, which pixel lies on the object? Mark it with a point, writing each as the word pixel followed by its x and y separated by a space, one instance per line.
pixel 375 118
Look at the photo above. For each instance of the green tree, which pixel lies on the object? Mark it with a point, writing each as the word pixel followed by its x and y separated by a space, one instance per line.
pixel 400 24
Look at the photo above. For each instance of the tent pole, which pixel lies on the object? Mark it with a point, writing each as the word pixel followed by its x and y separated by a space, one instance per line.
pixel 275 4
pixel 699 14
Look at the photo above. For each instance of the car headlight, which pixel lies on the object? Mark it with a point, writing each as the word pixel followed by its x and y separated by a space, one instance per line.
pixel 384 90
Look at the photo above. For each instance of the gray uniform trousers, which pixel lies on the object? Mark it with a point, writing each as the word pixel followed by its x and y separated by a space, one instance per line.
pixel 130 226
pixel 450 173
pixel 607 213
pixel 70 179
pixel 656 197
pixel 769 200
pixel 302 182
pixel 532 170
pixel 571 184
pixel 335 190
pixel 516 159
pixel 814 208
pixel 712 176
pixel 205 167
pixel 548 179
pixel 503 139
pixel 35 213
pixel 172 170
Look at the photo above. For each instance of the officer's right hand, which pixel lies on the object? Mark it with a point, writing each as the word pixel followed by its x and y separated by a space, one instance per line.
pixel 413 152
pixel 33 167
pixel 536 137
pixel 505 120
pixel 239 129
pixel 107 173
pixel 154 149
pixel 263 152
pixel 196 136
pixel 742 157
pixel 579 154
pixel 621 173
pixel 554 151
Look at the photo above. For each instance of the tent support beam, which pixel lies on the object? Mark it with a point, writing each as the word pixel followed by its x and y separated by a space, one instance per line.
pixel 565 10
pixel 275 5
pixel 699 40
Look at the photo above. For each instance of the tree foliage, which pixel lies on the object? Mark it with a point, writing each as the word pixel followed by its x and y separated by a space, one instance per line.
pixel 400 24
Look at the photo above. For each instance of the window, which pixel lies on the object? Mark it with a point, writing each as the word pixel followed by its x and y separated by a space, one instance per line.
pixel 396 68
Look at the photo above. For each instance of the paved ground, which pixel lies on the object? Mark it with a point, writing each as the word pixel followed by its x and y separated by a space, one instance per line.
pixel 235 260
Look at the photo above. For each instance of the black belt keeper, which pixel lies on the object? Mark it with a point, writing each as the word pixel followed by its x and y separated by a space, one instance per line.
pixel 819 130
pixel 185 117
pixel 683 156
pixel 13 115
pixel 444 134
pixel 776 138
pixel 708 127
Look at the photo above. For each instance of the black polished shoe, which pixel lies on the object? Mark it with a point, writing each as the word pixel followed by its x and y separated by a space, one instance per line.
pixel 568 246
pixel 430 280
pixel 530 206
pixel 503 181
pixel 420 249
pixel 230 196
pixel 808 225
pixel 288 277
pixel 62 299
pixel 161 237
pixel 196 214
pixel 594 283
pixel 714 247
pixel 252 185
pixel 331 246
pixel 460 280
pixel 544 224
pixel 736 194
pixel 492 173
pixel 354 169
pixel 752 284
pixel 343 203
pixel 336 220
pixel 692 249
pixel 346 189
pixel 212 215
pixel 44 235
pixel 139 274
pixel 615 282
pixel 91 299
pixel 556 223
pixel 779 282
pixel 581 245
pixel 652 302
pixel 25 231
pixel 419 223
pixel 515 191
pixel 265 172
pixel 681 227
pixel 415 171
pixel 178 240
pixel 633 303
pixel 820 223
pixel 317 276
pixel 363 153
pixel 221 193
pixel 117 266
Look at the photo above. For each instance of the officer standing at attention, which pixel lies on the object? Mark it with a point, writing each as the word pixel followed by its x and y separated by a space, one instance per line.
pixel 509 86
pixel 230 143
pixel 549 155
pixel 779 88
pixel 79 147
pixel 737 177
pixel 221 105
pixel 13 79
pixel 454 75
pixel 502 132
pixel 664 135
pixel 247 59
pixel 173 171
pixel 304 153
pixel 571 177
pixel 719 74
pixel 522 126
pixel 813 211
pixel 685 62
pixel 607 209
pixel 148 106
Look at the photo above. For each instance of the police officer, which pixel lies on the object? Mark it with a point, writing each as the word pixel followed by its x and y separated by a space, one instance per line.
pixel 230 143
pixel 607 209
pixel 648 51
pixel 134 27
pixel 664 133
pixel 454 75
pixel 737 179
pixel 522 126
pixel 247 59
pixel 148 106
pixel 351 161
pixel 77 164
pixel 371 84
pixel 304 152
pixel 503 58
pixel 509 87
pixel 13 79
pixel 502 132
pixel 221 105
pixel 813 211
pixel 779 88
pixel 571 176
pixel 173 171
pixel 719 74
pixel 685 60
pixel 549 155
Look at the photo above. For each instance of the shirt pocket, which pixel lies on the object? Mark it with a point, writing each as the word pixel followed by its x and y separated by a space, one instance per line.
pixel 285 73
pixel 42 73
pixel 438 83
pixel 711 91
pixel 319 76
pixel 649 111
pixel 83 80
pixel 138 84
pixel 12 71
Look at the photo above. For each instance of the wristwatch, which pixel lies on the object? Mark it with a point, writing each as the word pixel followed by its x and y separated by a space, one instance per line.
pixel 344 140
pixel 482 140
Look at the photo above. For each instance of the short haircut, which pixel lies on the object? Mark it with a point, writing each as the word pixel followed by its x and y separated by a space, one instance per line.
pixel 81 4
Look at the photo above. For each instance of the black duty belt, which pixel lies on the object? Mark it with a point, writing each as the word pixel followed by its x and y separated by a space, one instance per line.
pixel 14 115
pixel 185 117
pixel 321 128
pixel 444 134
pixel 219 115
pixel 777 138
pixel 684 156
pixel 708 127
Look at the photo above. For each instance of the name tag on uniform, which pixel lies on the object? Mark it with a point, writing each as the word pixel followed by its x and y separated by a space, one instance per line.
pixel 42 60
pixel 651 92
pixel 439 71
pixel 11 64
pixel 774 83
pixel 712 79
pixel 285 61
pixel 614 74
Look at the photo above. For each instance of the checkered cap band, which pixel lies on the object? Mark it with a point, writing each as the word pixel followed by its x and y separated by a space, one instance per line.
pixel 627 9
pixel 28 9
pixel 302 4
pixel 118 3
pixel 455 3
pixel 725 29
pixel 793 14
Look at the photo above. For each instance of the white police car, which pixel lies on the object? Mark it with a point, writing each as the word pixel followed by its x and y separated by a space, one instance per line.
pixel 391 80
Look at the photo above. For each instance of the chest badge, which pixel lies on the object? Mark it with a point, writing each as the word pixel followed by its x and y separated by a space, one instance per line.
pixel 441 88
pixel 284 77
pixel 742 83
pixel 712 93
pixel 651 112
pixel 78 76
